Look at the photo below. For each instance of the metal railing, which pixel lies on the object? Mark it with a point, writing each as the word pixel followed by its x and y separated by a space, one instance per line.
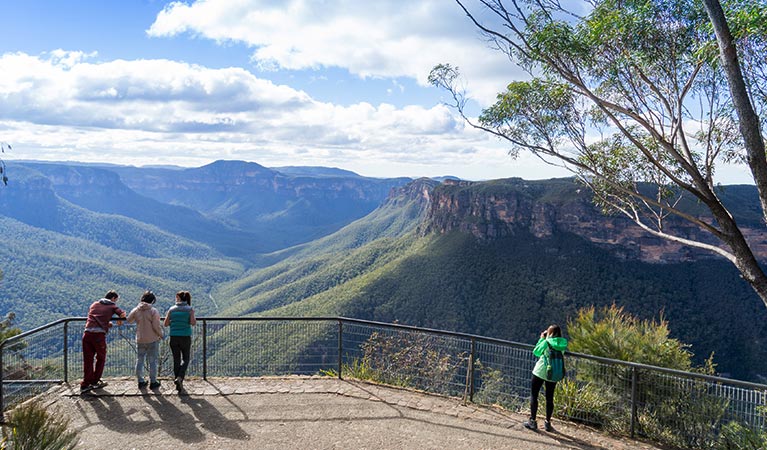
pixel 682 408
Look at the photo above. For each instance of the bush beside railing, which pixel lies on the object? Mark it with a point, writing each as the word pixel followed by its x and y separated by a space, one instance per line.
pixel 673 407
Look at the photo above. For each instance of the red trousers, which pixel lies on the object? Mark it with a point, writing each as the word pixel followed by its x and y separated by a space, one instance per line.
pixel 94 344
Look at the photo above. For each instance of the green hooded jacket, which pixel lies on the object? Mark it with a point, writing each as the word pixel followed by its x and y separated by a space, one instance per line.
pixel 540 350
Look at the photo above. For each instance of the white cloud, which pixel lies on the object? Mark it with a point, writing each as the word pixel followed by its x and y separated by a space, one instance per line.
pixel 369 39
pixel 61 106
pixel 152 95
pixel 76 105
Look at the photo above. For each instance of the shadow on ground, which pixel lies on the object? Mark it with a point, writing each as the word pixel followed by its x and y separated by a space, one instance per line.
pixel 302 412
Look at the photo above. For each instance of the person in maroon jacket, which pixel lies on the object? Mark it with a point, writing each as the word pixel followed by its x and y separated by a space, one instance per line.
pixel 95 339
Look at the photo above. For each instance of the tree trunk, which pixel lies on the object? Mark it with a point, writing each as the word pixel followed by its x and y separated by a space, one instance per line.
pixel 749 267
pixel 748 121
pixel 745 261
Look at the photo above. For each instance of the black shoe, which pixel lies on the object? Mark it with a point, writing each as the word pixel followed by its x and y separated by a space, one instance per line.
pixel 179 382
pixel 531 425
pixel 154 385
pixel 99 384
pixel 547 426
pixel 142 384
pixel 84 389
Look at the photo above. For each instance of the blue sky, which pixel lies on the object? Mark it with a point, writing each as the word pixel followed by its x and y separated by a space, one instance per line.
pixel 337 83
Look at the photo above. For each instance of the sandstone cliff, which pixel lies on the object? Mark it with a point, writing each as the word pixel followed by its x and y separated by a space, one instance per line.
pixel 498 208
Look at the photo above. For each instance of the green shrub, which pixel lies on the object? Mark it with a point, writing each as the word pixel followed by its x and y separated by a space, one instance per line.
pixel 412 360
pixel 358 369
pixel 7 331
pixel 613 333
pixel 670 410
pixel 493 388
pixel 32 427
pixel 735 436
pixel 587 403
pixel 408 360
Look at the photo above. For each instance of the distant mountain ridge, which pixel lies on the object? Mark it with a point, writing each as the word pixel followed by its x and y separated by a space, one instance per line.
pixel 314 171
pixel 239 208
pixel 250 197
pixel 33 199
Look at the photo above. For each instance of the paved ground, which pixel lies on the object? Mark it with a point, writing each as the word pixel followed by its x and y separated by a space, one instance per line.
pixel 302 413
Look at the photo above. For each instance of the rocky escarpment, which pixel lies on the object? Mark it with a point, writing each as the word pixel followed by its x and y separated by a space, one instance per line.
pixel 417 190
pixel 498 208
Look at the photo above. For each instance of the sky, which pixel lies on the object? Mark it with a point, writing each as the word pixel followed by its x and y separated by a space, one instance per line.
pixel 336 83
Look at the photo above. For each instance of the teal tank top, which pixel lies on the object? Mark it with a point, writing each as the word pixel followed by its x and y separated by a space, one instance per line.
pixel 180 315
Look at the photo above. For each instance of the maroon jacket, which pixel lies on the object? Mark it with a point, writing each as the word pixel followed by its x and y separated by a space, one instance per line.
pixel 99 315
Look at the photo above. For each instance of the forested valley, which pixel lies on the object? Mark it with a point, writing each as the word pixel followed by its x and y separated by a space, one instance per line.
pixel 249 240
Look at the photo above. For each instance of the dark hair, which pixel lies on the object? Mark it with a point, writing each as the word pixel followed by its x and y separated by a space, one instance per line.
pixel 554 331
pixel 111 295
pixel 148 297
pixel 184 296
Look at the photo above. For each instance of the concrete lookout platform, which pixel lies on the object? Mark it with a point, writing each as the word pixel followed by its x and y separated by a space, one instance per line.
pixel 301 413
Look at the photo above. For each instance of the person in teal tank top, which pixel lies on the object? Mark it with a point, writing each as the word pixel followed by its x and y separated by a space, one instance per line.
pixel 180 318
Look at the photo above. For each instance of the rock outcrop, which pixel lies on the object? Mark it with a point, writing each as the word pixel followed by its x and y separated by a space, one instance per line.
pixel 493 209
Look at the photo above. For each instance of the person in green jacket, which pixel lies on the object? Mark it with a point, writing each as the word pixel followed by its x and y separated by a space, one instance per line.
pixel 548 370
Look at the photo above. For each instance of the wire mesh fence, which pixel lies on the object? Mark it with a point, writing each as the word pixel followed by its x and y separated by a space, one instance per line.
pixel 226 348
pixel 418 359
pixel 502 375
pixel 685 410
pixel 31 363
pixel 264 348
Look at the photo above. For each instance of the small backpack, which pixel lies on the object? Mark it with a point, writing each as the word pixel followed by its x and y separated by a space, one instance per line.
pixel 555 364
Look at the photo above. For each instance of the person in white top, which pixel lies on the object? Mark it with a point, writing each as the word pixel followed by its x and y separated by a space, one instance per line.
pixel 148 335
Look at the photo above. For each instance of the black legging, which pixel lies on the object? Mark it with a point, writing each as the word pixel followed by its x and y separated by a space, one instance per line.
pixel 536 388
pixel 180 346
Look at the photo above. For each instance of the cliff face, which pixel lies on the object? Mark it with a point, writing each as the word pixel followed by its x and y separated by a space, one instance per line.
pixel 419 190
pixel 490 210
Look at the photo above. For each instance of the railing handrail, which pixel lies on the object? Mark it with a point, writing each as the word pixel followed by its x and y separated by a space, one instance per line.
pixel 13 339
pixel 629 364
pixel 369 328
pixel 712 378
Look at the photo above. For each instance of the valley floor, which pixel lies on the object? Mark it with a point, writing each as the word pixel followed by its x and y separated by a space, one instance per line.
pixel 301 413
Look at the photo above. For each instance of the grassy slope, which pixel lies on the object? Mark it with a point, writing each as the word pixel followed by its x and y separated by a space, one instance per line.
pixel 305 270
pixel 47 275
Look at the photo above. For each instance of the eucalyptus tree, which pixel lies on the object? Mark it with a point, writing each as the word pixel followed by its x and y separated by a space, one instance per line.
pixel 635 93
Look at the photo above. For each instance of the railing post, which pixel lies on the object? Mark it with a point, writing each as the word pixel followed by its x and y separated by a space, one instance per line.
pixel 340 348
pixel 204 349
pixel 633 399
pixel 471 370
pixel 66 353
